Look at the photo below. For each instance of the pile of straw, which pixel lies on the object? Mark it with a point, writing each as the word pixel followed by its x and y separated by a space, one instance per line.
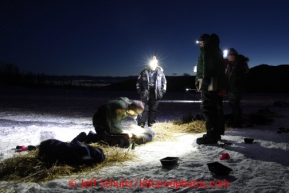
pixel 167 131
pixel 27 168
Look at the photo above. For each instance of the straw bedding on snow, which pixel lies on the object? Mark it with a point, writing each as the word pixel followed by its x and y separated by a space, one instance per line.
pixel 166 131
pixel 27 168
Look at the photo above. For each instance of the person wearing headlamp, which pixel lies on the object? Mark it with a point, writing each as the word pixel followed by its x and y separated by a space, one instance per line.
pixel 107 123
pixel 107 119
pixel 236 75
pixel 151 86
pixel 210 80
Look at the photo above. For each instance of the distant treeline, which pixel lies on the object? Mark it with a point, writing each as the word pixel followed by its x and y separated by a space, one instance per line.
pixel 10 75
pixel 265 78
pixel 262 78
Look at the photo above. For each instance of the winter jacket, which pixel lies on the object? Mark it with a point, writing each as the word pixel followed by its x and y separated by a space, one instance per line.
pixel 107 120
pixel 211 64
pixel 143 87
pixel 236 74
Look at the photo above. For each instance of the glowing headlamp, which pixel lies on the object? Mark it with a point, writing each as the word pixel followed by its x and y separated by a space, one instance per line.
pixel 195 68
pixel 153 63
pixel 225 53
pixel 197 42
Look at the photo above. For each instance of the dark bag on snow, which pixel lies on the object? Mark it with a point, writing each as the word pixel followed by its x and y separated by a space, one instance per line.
pixel 75 153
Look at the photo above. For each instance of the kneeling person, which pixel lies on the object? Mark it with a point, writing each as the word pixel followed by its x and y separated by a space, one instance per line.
pixel 107 119
pixel 107 123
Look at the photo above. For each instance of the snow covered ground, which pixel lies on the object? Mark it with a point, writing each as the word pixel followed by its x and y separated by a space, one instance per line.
pixel 28 116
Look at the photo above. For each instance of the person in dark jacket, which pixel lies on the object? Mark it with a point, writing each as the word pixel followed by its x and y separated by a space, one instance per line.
pixel 210 80
pixel 151 86
pixel 108 127
pixel 221 94
pixel 107 119
pixel 236 76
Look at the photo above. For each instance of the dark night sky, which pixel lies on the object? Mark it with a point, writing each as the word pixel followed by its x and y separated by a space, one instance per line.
pixel 117 37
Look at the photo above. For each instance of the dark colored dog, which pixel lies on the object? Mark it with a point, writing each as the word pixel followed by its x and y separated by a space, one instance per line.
pixel 75 153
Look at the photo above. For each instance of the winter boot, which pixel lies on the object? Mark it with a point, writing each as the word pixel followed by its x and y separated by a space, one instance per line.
pixel 92 137
pixel 218 136
pixel 211 137
pixel 152 118
pixel 81 137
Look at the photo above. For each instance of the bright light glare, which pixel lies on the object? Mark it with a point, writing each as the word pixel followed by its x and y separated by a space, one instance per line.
pixel 197 42
pixel 134 130
pixel 225 53
pixel 154 63
pixel 195 68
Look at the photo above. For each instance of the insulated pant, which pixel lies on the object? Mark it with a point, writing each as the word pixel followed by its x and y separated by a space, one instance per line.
pixel 221 120
pixel 150 110
pixel 234 102
pixel 209 109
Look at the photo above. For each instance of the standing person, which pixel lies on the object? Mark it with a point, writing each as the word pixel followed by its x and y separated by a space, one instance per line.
pixel 151 86
pixel 221 95
pixel 209 81
pixel 236 75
